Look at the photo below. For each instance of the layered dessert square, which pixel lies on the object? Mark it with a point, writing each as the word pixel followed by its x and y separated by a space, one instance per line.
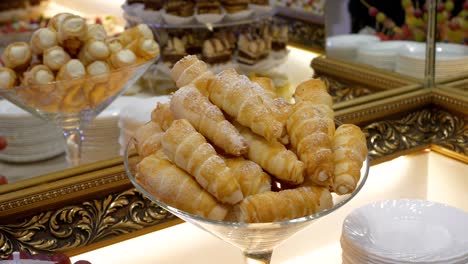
pixel 182 8
pixel 208 7
pixel 216 51
pixel 174 50
pixel 234 6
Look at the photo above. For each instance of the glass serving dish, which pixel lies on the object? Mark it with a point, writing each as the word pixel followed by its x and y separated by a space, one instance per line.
pixel 256 240
pixel 72 104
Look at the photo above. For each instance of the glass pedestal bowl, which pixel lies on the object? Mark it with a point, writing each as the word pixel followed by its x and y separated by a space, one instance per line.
pixel 72 104
pixel 256 240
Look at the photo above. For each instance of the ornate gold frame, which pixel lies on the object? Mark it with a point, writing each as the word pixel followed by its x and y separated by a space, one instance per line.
pixel 95 205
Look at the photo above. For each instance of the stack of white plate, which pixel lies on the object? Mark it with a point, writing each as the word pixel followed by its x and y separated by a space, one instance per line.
pixel 405 231
pixel 29 138
pixel 134 115
pixel 101 136
pixel 383 54
pixel 451 59
pixel 346 46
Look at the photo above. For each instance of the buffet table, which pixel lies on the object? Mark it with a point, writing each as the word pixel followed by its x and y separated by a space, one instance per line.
pixel 423 175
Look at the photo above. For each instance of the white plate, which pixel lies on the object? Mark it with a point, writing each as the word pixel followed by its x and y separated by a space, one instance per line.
pixel 239 15
pixel 350 40
pixel 262 9
pixel 444 52
pixel 176 20
pixel 209 18
pixel 404 230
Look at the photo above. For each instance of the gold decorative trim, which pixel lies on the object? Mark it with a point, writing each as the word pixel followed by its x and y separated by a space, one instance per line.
pixel 359 73
pixel 80 225
pixel 342 92
pixel 58 192
pixel 423 127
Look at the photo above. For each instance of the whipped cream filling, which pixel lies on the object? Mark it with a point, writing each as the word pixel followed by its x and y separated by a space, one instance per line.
pixel 18 52
pixel 43 77
pixel 75 24
pixel 97 32
pixel 57 56
pixel 75 68
pixel 99 49
pixel 5 79
pixel 145 31
pixel 126 56
pixel 97 67
pixel 149 46
pixel 115 46
pixel 47 37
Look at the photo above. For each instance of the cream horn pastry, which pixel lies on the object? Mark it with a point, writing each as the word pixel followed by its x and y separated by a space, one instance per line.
pixel 189 150
pixel 252 179
pixel 283 205
pixel 122 58
pixel 114 45
pixel 93 50
pixel 17 56
pixel 137 32
pixel 144 48
pixel 188 103
pixel 97 68
pixel 162 115
pixel 39 74
pixel 349 152
pixel 70 70
pixel 72 34
pixel 8 78
pixel 310 128
pixel 42 39
pixel 314 91
pixel 175 187
pixel 56 20
pixel 148 138
pixel 96 31
pixel 267 84
pixel 55 57
pixel 273 157
pixel 235 95
pixel 191 70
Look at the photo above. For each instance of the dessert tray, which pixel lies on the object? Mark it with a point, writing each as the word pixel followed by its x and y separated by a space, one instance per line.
pixel 136 14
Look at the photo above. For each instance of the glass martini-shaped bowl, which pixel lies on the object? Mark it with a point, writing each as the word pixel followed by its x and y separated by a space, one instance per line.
pixel 256 240
pixel 72 104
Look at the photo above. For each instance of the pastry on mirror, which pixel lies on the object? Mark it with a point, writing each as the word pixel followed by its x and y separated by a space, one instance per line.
pixel 189 150
pixel 174 50
pixel 144 48
pixel 71 70
pixel 72 34
pixel 273 157
pixel 96 31
pixel 55 57
pixel 282 205
pixel 93 50
pixel 122 58
pixel 216 51
pixel 188 103
pixel 8 78
pixel 176 188
pixel 39 74
pixel 349 152
pixel 137 32
pixel 42 39
pixel 17 56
